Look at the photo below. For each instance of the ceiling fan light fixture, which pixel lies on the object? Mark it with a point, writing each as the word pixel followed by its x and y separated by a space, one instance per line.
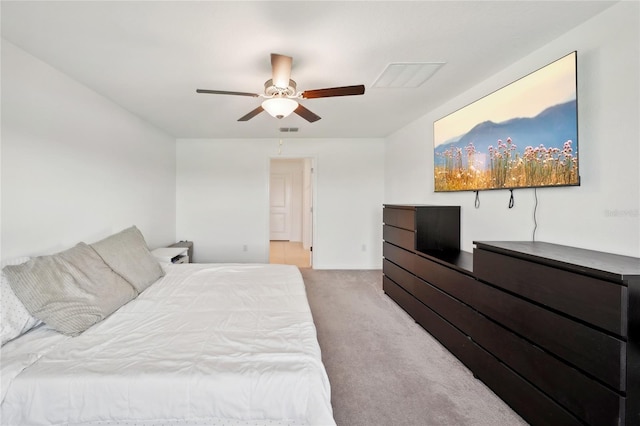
pixel 279 107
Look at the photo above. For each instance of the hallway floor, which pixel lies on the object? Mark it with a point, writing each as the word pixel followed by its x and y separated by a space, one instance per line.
pixel 289 253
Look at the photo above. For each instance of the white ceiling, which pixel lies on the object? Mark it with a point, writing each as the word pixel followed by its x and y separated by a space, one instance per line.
pixel 151 56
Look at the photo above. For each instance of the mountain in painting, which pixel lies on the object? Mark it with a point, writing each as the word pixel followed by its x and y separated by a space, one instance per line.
pixel 551 128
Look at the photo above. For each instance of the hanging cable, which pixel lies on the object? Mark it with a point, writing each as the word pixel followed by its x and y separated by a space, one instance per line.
pixel 535 208
pixel 511 201
pixel 477 202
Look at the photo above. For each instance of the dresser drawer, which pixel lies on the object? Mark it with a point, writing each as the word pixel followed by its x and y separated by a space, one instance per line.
pixel 595 301
pixel 398 256
pixel 400 276
pixel 399 217
pixel 398 236
pixel 445 278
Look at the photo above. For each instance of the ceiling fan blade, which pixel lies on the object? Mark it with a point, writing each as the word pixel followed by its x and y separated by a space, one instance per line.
pixel 224 92
pixel 251 114
pixel 334 91
pixel 281 70
pixel 306 114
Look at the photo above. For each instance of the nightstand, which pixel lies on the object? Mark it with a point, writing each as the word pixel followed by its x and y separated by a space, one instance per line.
pixel 188 245
pixel 171 254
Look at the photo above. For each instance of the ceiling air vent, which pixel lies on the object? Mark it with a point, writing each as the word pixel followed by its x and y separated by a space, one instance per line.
pixel 288 129
pixel 406 74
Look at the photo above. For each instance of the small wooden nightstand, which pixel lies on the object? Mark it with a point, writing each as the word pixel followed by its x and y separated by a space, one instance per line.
pixel 188 245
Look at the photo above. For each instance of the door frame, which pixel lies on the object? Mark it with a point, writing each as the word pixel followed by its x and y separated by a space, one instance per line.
pixel 314 199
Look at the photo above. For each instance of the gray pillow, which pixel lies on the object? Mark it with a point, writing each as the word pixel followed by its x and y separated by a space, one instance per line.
pixel 71 290
pixel 127 254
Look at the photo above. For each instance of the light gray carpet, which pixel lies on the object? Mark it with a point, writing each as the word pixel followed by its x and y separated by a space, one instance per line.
pixel 384 368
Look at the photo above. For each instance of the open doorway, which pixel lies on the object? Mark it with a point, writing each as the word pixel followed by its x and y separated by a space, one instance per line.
pixel 291 211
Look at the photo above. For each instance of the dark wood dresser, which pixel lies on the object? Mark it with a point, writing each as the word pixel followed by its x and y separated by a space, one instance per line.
pixel 552 330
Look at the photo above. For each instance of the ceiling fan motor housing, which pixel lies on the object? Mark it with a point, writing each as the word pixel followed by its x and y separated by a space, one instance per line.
pixel 272 91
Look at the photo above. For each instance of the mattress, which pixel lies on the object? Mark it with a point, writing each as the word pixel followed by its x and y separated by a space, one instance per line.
pixel 208 344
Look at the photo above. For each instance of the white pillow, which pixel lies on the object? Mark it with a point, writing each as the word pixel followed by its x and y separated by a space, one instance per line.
pixel 128 255
pixel 15 320
pixel 70 290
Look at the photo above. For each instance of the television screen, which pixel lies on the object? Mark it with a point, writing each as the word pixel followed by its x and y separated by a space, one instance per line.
pixel 523 135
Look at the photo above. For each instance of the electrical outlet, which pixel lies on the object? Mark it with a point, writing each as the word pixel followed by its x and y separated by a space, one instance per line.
pixel 364 247
pixel 245 248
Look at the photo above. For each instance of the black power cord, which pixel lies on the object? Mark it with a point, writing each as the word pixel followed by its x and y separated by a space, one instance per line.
pixel 535 208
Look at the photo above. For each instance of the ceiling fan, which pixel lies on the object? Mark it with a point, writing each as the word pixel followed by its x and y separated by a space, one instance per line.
pixel 281 95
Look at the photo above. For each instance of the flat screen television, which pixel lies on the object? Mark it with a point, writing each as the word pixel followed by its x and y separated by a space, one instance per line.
pixel 521 136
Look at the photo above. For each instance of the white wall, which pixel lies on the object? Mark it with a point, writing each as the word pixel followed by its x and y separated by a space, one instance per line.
pixel 601 214
pixel 223 199
pixel 75 166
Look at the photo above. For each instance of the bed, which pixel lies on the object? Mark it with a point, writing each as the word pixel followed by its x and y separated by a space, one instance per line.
pixel 205 344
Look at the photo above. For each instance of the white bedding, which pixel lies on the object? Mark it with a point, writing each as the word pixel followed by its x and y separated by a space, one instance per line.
pixel 206 344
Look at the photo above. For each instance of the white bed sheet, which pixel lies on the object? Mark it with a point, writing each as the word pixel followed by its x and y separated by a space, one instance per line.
pixel 206 344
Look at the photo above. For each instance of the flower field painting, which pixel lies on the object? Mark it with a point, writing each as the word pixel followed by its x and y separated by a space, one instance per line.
pixel 523 135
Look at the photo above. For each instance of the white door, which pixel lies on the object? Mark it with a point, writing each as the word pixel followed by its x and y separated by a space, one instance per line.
pixel 280 206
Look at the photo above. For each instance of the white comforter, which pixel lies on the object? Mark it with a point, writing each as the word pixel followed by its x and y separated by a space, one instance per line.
pixel 206 344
